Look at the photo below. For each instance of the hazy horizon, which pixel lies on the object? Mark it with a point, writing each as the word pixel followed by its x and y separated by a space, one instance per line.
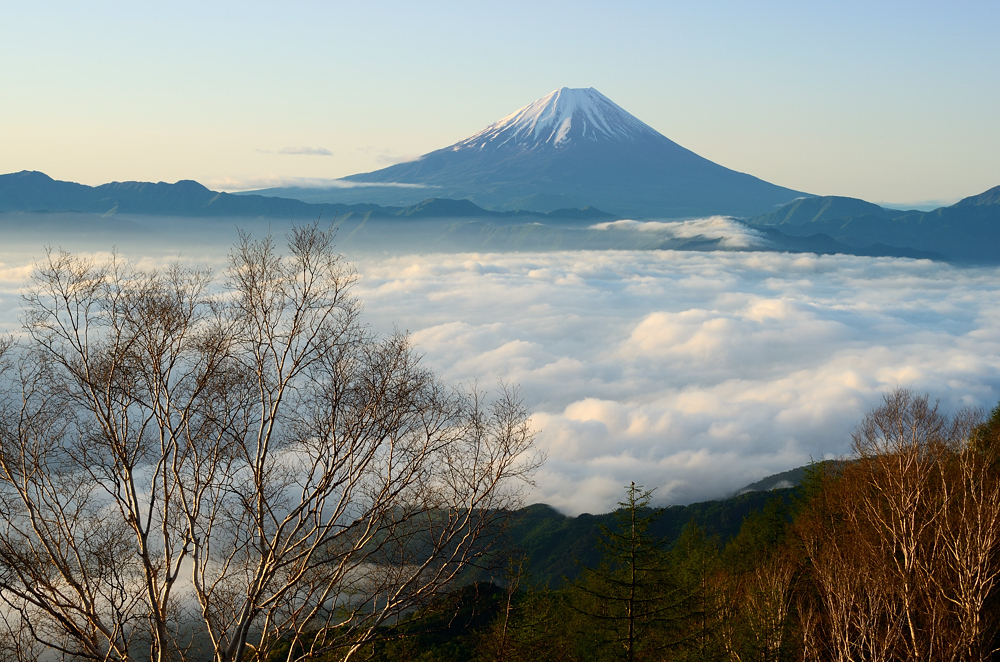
pixel 885 102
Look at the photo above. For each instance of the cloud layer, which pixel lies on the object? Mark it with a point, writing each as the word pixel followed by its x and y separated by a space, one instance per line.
pixel 729 232
pixel 695 373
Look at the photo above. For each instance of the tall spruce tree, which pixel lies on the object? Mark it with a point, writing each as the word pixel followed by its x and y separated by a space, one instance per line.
pixel 632 600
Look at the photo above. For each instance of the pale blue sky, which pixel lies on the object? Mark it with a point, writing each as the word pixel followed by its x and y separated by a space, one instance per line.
pixel 893 103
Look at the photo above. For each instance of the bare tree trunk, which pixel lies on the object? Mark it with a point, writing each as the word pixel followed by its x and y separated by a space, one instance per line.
pixel 903 543
pixel 970 541
pixel 188 472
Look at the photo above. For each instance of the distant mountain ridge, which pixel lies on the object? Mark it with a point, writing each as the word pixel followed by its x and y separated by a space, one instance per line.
pixel 968 230
pixel 988 197
pixel 571 148
pixel 553 543
pixel 815 209
pixel 35 191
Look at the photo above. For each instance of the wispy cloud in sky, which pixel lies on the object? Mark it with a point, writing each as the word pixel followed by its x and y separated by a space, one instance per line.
pixel 254 183
pixel 385 156
pixel 299 151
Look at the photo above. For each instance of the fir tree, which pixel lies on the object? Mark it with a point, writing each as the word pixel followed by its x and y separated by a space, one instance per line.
pixel 632 599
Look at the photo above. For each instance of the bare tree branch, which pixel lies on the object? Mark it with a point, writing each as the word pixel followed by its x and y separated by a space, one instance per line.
pixel 189 472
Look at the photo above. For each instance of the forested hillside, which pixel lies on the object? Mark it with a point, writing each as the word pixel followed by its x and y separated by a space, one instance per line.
pixel 891 555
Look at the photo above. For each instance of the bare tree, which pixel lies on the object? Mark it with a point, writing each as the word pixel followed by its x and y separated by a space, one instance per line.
pixel 857 616
pixel 754 622
pixel 902 543
pixel 968 574
pixel 195 472
pixel 899 446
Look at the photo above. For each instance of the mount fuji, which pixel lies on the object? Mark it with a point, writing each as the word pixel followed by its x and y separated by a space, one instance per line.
pixel 571 148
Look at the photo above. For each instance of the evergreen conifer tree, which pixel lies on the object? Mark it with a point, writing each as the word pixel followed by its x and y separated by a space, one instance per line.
pixel 636 607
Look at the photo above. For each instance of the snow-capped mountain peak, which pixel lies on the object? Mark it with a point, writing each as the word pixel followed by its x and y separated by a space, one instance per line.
pixel 559 119
pixel 574 148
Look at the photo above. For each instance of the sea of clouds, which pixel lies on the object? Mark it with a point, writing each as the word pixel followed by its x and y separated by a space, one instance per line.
pixel 694 373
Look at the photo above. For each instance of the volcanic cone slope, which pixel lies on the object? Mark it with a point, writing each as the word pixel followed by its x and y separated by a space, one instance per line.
pixel 577 148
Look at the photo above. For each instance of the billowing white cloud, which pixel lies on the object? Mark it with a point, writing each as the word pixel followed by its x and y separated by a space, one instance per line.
pixel 730 232
pixel 695 373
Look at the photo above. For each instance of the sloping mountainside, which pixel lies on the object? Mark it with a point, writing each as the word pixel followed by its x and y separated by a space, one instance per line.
pixel 813 210
pixel 35 191
pixel 984 199
pixel 778 481
pixel 571 148
pixel 555 545
pixel 967 231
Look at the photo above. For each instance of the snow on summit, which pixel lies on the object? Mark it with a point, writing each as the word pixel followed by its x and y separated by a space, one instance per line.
pixel 559 118
pixel 575 148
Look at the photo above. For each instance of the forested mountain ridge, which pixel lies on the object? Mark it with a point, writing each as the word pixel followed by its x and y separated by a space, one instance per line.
pixel 555 545
pixel 891 555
